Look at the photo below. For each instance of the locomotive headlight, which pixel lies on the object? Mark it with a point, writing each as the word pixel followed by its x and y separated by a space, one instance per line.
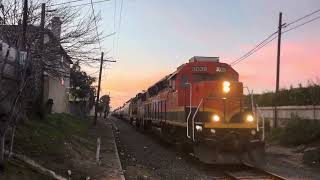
pixel 250 118
pixel 226 86
pixel 226 83
pixel 199 128
pixel 215 118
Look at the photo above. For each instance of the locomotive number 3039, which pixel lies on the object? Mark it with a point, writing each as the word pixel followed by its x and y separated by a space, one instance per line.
pixel 199 69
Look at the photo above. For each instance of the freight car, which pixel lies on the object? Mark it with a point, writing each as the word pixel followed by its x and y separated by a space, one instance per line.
pixel 201 103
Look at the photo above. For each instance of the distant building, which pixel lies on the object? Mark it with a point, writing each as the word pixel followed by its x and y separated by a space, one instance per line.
pixel 52 83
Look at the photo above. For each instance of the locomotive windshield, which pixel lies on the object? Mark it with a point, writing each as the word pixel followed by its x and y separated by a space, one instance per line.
pixel 198 77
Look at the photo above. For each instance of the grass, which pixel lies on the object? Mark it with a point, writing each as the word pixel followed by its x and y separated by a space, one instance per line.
pixel 48 141
pixel 47 136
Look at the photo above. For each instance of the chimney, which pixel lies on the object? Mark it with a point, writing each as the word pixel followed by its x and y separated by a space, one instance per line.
pixel 56 27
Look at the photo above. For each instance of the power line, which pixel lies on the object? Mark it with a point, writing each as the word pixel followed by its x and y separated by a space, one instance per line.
pixel 118 35
pixel 299 19
pixel 114 26
pixel 95 22
pixel 85 4
pixel 259 46
pixel 104 67
pixel 93 73
pixel 257 49
pixel 302 24
pixel 66 2
pixel 253 49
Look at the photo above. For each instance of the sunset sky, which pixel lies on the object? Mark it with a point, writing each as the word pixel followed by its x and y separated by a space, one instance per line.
pixel 157 36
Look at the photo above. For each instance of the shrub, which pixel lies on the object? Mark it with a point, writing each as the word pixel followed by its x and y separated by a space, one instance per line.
pixel 299 131
pixel 274 134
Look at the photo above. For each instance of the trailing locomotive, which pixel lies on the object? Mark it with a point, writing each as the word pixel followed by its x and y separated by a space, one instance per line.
pixel 201 103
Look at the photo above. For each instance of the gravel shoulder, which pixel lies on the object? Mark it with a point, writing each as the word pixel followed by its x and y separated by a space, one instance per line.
pixel 144 155
pixel 288 163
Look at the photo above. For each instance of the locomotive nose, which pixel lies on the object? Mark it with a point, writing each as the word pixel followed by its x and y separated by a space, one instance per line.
pixel 232 142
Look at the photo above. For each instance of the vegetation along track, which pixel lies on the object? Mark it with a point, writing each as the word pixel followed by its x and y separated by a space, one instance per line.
pixel 249 172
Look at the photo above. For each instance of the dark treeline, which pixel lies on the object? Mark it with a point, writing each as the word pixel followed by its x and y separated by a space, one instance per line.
pixel 294 96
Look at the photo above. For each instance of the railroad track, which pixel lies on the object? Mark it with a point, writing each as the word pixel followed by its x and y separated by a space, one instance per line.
pixel 249 172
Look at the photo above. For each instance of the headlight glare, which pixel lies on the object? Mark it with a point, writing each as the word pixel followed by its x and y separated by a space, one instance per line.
pixel 226 89
pixel 215 118
pixel 226 86
pixel 250 118
pixel 226 83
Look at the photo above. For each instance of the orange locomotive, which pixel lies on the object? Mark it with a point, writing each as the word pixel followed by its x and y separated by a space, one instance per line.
pixel 202 103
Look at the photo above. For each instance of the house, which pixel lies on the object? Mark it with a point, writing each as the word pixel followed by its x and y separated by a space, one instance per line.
pixel 51 72
pixel 57 88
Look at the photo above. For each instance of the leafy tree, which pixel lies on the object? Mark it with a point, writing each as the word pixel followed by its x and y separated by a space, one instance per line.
pixel 105 102
pixel 81 84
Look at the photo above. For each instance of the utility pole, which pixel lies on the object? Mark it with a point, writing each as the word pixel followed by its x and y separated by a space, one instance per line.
pixel 41 44
pixel 24 24
pixel 278 72
pixel 98 93
pixel 43 16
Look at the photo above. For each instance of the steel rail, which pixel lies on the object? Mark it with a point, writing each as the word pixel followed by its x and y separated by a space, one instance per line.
pixel 253 173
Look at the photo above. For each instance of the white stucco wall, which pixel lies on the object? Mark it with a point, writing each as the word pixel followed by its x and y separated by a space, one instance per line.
pixel 59 94
pixel 285 112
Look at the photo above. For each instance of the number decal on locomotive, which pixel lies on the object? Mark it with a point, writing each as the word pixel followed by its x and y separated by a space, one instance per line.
pixel 221 69
pixel 199 69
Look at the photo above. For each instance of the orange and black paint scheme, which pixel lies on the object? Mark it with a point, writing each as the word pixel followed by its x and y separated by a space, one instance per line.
pixel 201 103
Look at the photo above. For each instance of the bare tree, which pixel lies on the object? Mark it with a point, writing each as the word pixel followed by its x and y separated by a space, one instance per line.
pixel 78 32
pixel 77 38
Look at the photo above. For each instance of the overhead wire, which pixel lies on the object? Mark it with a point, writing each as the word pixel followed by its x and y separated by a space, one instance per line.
pixel 58 4
pixel 119 28
pixel 114 27
pixel 96 26
pixel 253 49
pixel 303 17
pixel 302 24
pixel 266 41
pixel 84 4
pixel 257 49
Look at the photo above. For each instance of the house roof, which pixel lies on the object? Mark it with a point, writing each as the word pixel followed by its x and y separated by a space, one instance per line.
pixel 9 31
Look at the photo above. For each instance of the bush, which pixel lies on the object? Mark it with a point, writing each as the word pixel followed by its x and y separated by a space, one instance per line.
pixel 274 135
pixel 299 131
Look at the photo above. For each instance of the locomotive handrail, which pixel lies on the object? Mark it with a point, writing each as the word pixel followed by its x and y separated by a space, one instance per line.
pixel 194 117
pixel 260 113
pixel 189 110
pixel 251 96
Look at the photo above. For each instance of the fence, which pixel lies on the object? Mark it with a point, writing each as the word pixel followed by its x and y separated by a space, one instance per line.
pixel 286 112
